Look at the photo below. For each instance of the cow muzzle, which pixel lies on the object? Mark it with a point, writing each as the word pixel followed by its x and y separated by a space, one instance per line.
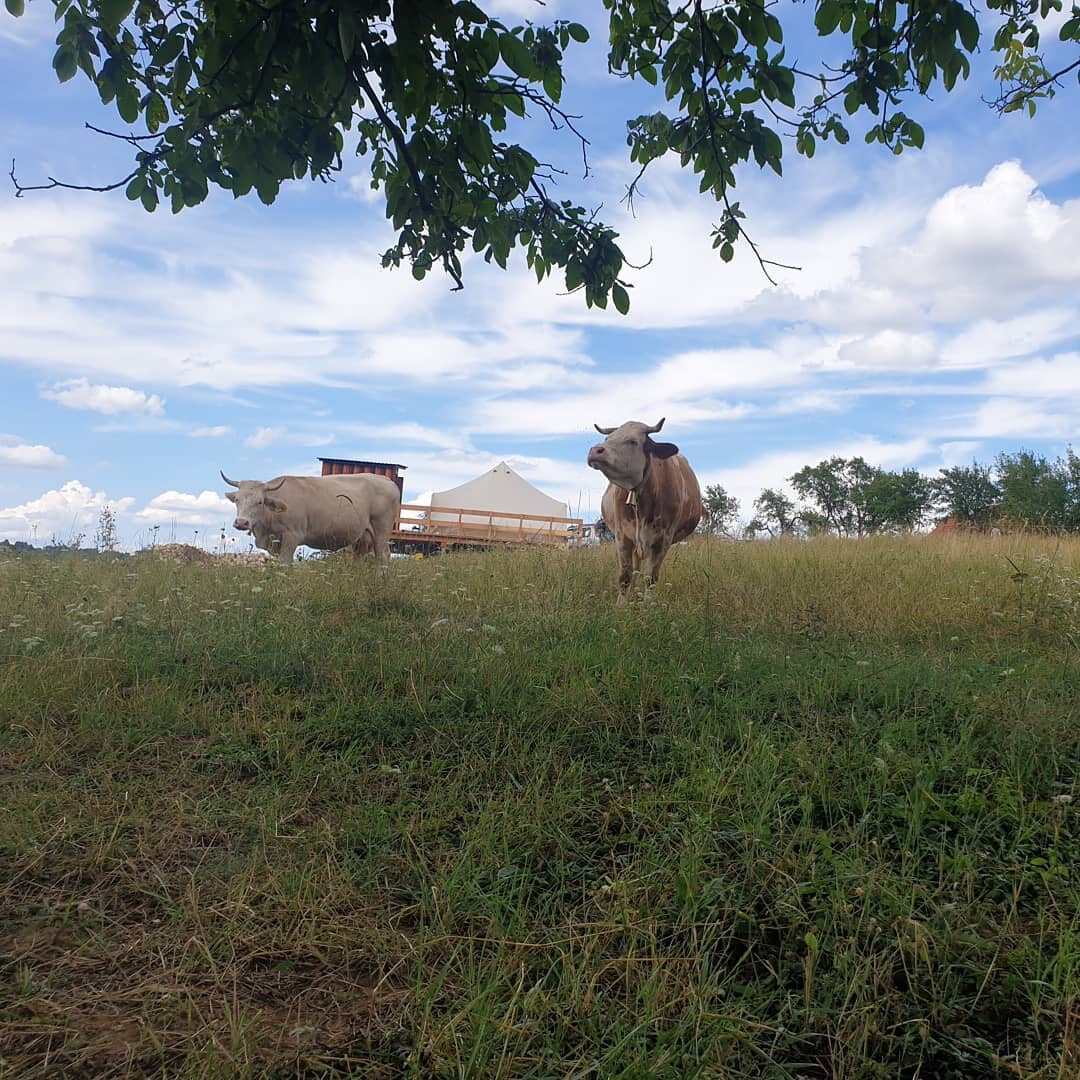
pixel 242 524
pixel 596 456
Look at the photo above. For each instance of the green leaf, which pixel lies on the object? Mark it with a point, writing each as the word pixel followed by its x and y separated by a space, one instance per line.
pixel 553 86
pixel 114 12
pixel 648 73
pixel 827 17
pixel 149 198
pixel 16 7
pixel 469 13
pixel 346 32
pixel 134 190
pixel 127 103
pixel 914 133
pixel 517 56
pixel 156 113
pixel 169 49
pixel 578 32
pixel 968 27
pixel 621 298
pixel 489 48
pixel 65 63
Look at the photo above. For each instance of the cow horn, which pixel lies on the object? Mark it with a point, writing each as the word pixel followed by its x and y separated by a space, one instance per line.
pixel 274 487
pixel 603 430
pixel 656 427
pixel 231 483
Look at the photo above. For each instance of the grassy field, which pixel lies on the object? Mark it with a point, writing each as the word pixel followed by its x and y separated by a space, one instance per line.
pixel 812 812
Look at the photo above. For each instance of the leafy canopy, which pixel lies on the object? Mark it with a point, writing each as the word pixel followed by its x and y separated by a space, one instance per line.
pixel 439 97
pixel 720 512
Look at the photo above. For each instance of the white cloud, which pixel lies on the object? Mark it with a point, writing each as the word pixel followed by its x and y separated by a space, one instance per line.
pixel 1056 379
pixel 989 340
pixel 960 452
pixel 359 184
pixel 34 27
pixel 890 349
pixel 265 437
pixel 408 433
pixel 205 510
pixel 988 249
pixel 65 512
pixel 14 451
pixel 217 432
pixel 110 400
pixel 1025 419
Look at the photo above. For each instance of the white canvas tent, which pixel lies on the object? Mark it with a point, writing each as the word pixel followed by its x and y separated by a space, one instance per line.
pixel 498 489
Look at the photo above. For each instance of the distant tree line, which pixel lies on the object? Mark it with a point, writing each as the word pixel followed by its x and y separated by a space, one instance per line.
pixel 849 497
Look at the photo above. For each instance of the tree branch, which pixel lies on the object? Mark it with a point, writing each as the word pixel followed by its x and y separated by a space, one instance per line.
pixel 20 189
pixel 1021 93
pixel 398 137
pixel 710 117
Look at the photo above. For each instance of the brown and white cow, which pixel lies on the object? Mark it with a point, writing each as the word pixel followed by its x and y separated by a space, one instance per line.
pixel 356 511
pixel 652 501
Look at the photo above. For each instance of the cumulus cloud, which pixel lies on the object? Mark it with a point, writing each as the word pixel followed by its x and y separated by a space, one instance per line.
pixel 988 249
pixel 217 432
pixel 890 349
pixel 65 512
pixel 110 400
pixel 205 510
pixel 14 451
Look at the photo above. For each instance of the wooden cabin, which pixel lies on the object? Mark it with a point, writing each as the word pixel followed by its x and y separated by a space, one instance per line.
pixel 346 467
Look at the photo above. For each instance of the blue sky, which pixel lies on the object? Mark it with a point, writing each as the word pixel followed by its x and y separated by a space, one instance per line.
pixel 936 316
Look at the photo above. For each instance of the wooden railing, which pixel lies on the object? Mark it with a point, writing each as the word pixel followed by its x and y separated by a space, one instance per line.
pixel 444 525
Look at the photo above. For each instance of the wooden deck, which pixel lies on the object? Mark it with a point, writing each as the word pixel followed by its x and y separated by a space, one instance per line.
pixel 444 526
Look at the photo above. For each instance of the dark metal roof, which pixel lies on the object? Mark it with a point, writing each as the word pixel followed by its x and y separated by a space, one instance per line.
pixel 356 461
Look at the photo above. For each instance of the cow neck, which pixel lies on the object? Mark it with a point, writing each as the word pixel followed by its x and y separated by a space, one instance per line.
pixel 633 493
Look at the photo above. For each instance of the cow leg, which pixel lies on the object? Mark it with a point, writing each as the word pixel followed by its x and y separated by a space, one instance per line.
pixel 627 560
pixel 382 549
pixel 654 559
pixel 285 549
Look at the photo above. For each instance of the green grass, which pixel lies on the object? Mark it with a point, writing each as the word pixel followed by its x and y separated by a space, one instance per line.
pixel 806 814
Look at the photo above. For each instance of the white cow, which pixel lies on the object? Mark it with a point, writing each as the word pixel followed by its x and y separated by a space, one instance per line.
pixel 357 511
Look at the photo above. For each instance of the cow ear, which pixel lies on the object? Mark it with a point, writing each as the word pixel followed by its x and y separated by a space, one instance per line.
pixel 275 505
pixel 231 496
pixel 661 449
